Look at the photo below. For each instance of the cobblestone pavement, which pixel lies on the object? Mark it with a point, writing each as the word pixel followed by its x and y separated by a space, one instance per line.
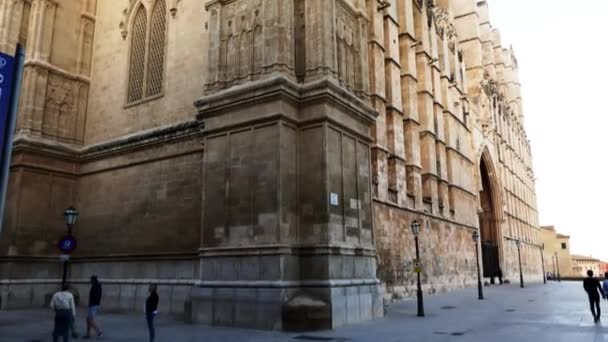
pixel 553 312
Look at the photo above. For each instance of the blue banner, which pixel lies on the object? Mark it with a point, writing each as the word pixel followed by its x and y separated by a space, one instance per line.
pixel 7 72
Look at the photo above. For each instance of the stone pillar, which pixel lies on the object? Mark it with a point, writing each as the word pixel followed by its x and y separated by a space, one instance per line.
pixel 409 87
pixel 438 109
pixel 12 15
pixel 397 185
pixel 466 21
pixel 378 89
pixel 287 237
pixel 426 107
pixel 486 35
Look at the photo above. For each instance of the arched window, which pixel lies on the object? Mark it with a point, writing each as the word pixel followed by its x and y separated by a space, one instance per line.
pixel 147 61
pixel 138 56
pixel 156 49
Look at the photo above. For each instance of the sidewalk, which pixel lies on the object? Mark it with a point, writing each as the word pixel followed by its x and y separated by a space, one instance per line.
pixel 555 312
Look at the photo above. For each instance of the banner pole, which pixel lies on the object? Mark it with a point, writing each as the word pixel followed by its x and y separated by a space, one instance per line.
pixel 10 130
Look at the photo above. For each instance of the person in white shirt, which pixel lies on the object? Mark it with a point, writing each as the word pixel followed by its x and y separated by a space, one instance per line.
pixel 65 310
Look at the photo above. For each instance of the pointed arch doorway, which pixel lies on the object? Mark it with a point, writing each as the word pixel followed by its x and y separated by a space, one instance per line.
pixel 489 221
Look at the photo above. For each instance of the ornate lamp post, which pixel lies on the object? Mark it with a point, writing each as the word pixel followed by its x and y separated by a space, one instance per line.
pixel 415 227
pixel 559 277
pixel 542 260
pixel 521 274
pixel 479 286
pixel 68 243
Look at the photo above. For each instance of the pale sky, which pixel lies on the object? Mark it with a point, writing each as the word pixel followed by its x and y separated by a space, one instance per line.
pixel 562 50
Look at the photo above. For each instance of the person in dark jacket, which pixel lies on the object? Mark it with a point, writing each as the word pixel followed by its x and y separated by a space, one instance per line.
pixel 151 310
pixel 499 275
pixel 94 304
pixel 592 285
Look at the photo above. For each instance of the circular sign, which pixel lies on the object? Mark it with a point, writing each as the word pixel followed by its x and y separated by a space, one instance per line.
pixel 67 244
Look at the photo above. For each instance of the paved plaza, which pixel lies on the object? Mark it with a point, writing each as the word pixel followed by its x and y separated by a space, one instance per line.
pixel 554 312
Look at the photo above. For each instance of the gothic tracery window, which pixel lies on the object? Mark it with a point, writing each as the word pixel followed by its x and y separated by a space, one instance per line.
pixel 138 56
pixel 156 49
pixel 147 61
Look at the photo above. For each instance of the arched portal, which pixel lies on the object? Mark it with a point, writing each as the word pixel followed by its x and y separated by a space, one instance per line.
pixel 488 219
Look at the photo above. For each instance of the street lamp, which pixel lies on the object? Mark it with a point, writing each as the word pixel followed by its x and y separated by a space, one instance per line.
pixel 70 215
pixel 542 260
pixel 559 277
pixel 521 274
pixel 415 227
pixel 68 242
pixel 479 287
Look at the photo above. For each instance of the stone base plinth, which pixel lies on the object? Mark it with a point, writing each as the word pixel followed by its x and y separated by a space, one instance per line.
pixel 286 306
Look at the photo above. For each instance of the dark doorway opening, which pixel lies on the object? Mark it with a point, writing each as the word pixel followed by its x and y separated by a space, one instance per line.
pixel 488 224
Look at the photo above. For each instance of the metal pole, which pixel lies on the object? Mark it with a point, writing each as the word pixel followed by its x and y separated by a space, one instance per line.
pixel 559 277
pixel 65 273
pixel 521 274
pixel 542 260
pixel 554 270
pixel 10 129
pixel 479 287
pixel 66 262
pixel 419 290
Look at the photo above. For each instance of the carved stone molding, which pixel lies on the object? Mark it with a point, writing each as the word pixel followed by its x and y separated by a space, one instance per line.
pixel 430 11
pixel 383 4
pixel 489 85
pixel 126 14
pixel 64 108
pixel 445 26
pixel 173 8
pixel 250 39
pixel 238 39
pixel 337 49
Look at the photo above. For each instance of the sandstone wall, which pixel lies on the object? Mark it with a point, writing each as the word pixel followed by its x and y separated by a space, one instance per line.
pixel 109 115
pixel 144 202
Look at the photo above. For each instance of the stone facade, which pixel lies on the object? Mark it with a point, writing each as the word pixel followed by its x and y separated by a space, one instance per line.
pixel 262 160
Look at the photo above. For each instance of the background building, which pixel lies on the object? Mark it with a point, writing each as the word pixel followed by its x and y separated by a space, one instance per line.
pixel 557 246
pixel 581 264
pixel 262 160
pixel 603 268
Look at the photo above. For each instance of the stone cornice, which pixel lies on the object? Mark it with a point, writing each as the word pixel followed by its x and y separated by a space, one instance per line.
pixel 287 283
pixel 423 213
pixel 332 249
pixel 109 148
pixel 56 70
pixel 468 192
pixel 278 86
pixel 104 258
pixel 129 281
pixel 145 138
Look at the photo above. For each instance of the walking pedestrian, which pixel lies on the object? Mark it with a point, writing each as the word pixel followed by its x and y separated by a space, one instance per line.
pixel 499 274
pixel 73 328
pixel 605 285
pixel 592 285
pixel 62 303
pixel 151 310
pixel 94 304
